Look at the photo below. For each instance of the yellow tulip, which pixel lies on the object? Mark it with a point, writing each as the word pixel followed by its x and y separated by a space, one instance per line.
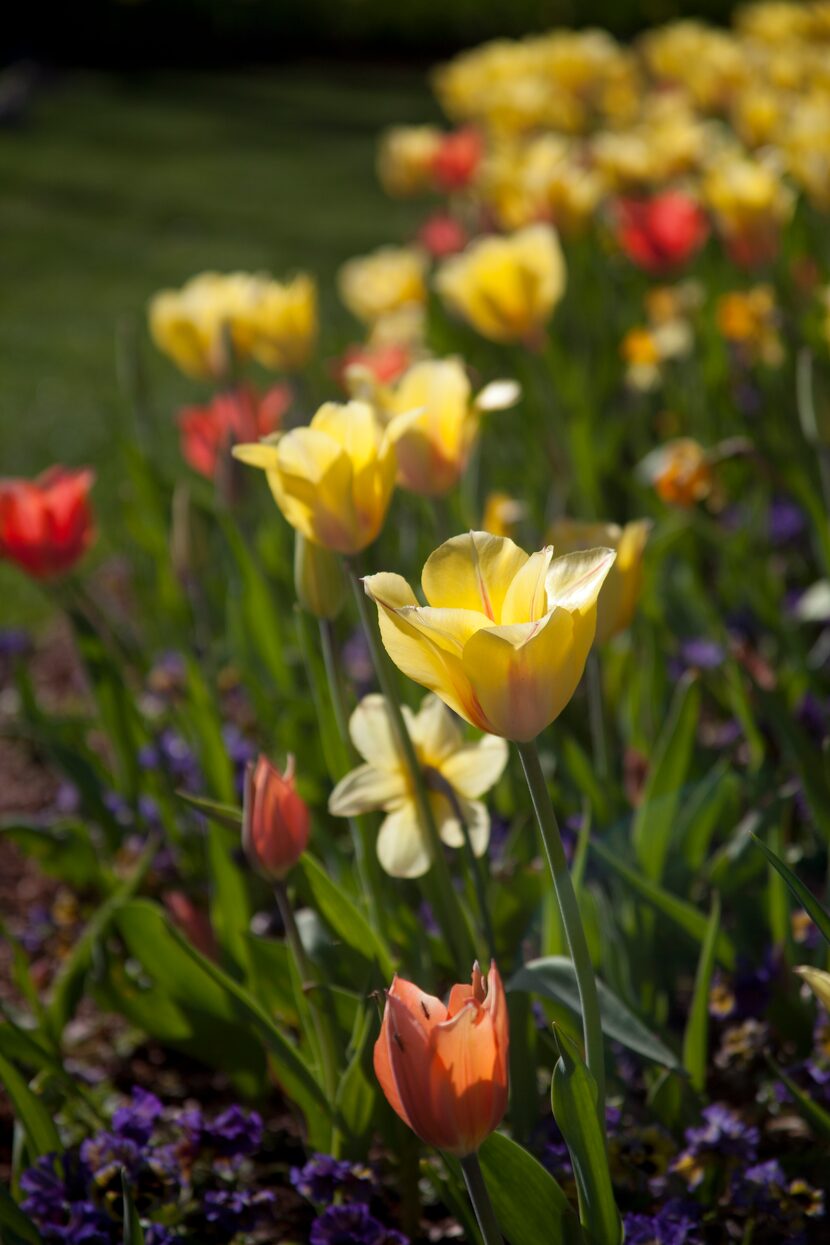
pixel 621 590
pixel 434 422
pixel 189 325
pixel 371 286
pixel 405 159
pixel 333 480
pixel 819 982
pixel 280 327
pixel 456 774
pixel 505 635
pixel 506 288
pixel 502 514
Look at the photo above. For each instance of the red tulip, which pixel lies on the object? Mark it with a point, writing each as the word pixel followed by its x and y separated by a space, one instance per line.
pixel 46 524
pixel 442 235
pixel 662 232
pixel 275 819
pixel 442 1068
pixel 193 921
pixel 457 158
pixel 231 418
pixel 384 363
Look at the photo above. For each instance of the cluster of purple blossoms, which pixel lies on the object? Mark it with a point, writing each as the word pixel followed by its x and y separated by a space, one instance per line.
pixel 168 1158
pixel 676 1222
pixel 351 1221
pixel 723 1137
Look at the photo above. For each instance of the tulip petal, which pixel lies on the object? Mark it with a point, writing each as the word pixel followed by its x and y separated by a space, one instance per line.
pixel 402 846
pixel 256 454
pixel 526 599
pixel 365 790
pixel 476 767
pixel 464 1092
pixel 430 656
pixel 525 674
pixel 574 580
pixel 472 572
pixel 402 1059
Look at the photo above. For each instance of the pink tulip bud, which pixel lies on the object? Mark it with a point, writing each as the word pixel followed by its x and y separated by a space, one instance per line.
pixel 275 819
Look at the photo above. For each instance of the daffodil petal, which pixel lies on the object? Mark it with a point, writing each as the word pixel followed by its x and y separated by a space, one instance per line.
pixel 366 789
pixel 370 728
pixel 475 768
pixel 477 819
pixel 402 846
pixel 435 732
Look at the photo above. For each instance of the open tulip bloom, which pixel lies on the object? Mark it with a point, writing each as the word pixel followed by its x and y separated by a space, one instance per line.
pixel 462 772
pixel 505 635
pixel 443 1067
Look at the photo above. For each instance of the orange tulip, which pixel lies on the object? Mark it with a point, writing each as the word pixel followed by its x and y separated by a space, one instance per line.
pixel 443 1068
pixel 275 819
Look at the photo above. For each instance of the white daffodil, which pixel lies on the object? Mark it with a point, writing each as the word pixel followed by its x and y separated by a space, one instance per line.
pixel 448 762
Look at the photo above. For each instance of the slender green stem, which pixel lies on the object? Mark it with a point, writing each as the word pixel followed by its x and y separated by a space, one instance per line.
pixel 437 782
pixel 449 913
pixel 321 1018
pixel 365 859
pixel 480 1198
pixel 569 908
pixel 596 714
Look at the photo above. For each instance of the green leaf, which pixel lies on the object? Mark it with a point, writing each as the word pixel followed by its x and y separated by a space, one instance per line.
pixel 35 1119
pixel 20 1228
pixel 804 756
pixel 230 905
pixel 654 822
pixel 357 1091
pixel 63 849
pixel 710 804
pixel 574 1100
pixel 696 1037
pixel 529 1204
pixel 344 917
pixel 683 914
pixel 202 723
pixel 804 896
pixel 554 978
pixel 133 1231
pixel 193 980
pixel 70 981
pixel 252 600
pixel 227 815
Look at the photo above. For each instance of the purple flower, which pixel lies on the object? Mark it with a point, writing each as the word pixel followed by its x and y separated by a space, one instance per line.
pixel 357 663
pixel 702 654
pixel 811 714
pixel 673 1224
pixel 321 1177
pixel 137 1121
pixel 14 642
pixel 234 1133
pixel 785 521
pixel 724 1132
pixel 106 1153
pixel 56 1201
pixel 352 1225
pixel 231 1211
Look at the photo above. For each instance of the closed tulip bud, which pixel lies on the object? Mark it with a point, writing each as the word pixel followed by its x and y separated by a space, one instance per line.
pixel 505 635
pixel 443 1067
pixel 318 578
pixel 275 819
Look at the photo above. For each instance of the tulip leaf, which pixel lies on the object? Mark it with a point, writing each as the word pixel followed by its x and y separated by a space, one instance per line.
pixel 529 1204
pixel 230 907
pixel 35 1119
pixel 63 849
pixel 357 1091
pixel 197 982
pixel 574 1100
pixel 70 981
pixel 18 1228
pixel 554 978
pixel 711 803
pixel 654 822
pixel 803 894
pixel 226 815
pixel 203 725
pixel 133 1231
pixel 253 606
pixel 685 915
pixel 696 1036
pixel 343 916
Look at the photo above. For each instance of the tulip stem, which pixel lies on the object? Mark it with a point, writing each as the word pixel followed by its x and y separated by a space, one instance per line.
pixel 321 1018
pixel 436 781
pixel 596 714
pixel 449 914
pixel 571 919
pixel 480 1198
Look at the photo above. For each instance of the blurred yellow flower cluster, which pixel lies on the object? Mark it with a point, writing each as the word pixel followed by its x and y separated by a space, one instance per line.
pixel 748 320
pixel 571 118
pixel 216 319
pixel 668 334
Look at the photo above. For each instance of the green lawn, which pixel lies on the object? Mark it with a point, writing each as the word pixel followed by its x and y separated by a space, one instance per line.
pixel 114 188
